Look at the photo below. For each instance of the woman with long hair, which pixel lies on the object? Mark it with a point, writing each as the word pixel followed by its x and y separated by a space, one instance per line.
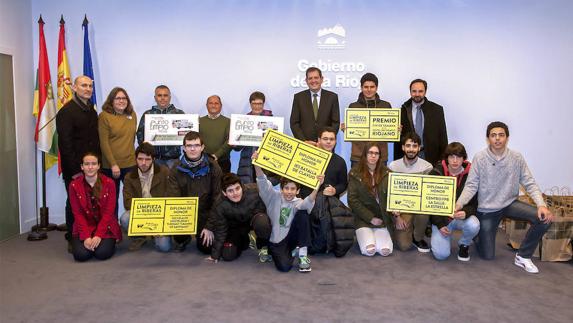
pixel 117 124
pixel 367 191
pixel 93 198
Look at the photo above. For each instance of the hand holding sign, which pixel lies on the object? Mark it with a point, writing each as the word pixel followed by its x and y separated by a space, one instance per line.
pixel 292 158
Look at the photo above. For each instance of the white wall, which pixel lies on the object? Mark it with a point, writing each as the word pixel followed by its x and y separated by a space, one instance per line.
pixel 484 61
pixel 16 40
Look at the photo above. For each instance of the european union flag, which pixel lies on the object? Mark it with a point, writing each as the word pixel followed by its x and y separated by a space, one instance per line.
pixel 88 67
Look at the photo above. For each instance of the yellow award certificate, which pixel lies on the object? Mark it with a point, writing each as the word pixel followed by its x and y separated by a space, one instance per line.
pixel 372 124
pixel 421 194
pixel 163 216
pixel 292 158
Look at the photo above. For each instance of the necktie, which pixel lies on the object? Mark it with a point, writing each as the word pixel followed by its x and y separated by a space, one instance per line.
pixel 315 105
pixel 419 126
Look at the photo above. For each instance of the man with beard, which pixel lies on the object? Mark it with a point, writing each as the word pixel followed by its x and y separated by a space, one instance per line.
pixel 164 155
pixel 368 99
pixel 410 228
pixel 77 126
pixel 426 119
pixel 196 174
pixel 148 180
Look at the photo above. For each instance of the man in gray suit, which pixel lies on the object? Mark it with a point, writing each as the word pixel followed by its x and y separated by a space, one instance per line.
pixel 313 109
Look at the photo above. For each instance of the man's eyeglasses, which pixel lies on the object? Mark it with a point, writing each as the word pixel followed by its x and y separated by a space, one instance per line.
pixel 193 146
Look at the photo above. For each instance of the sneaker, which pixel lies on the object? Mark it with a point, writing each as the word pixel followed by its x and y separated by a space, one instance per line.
pixel 252 241
pixel 304 264
pixel 136 243
pixel 464 253
pixel 526 264
pixel 421 245
pixel 264 255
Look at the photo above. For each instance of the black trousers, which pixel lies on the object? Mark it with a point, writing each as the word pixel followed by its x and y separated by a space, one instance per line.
pixel 237 238
pixel 104 251
pixel 185 239
pixel 298 236
pixel 69 213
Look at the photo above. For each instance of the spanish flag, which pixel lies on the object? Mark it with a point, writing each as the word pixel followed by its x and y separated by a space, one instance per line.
pixel 64 82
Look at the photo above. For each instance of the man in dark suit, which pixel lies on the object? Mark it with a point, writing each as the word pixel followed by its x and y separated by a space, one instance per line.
pixel 425 118
pixel 313 109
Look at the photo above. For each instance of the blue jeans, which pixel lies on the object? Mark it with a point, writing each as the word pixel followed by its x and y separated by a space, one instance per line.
pixel 441 246
pixel 162 243
pixel 517 211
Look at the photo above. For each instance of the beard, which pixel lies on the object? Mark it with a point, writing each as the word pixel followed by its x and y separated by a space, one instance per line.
pixel 411 155
pixel 417 99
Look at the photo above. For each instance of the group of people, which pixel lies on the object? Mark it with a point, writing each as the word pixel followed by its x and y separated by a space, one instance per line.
pixel 291 222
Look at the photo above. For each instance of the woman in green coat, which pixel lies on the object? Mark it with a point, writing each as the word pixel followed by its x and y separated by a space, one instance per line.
pixel 367 189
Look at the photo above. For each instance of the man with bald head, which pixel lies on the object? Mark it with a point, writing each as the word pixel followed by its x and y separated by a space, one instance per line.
pixel 77 127
pixel 214 131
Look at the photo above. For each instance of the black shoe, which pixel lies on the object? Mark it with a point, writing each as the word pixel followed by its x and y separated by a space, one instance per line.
pixel 421 245
pixel 464 253
pixel 179 246
pixel 428 231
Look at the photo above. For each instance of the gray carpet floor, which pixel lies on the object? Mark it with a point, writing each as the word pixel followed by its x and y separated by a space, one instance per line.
pixel 40 282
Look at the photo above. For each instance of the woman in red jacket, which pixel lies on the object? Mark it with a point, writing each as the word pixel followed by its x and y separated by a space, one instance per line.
pixel 93 197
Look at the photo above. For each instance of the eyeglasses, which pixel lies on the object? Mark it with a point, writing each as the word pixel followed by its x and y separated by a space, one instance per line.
pixel 120 98
pixel 193 146
pixel 373 153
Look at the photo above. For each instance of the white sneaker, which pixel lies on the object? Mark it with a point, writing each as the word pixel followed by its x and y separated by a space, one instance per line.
pixel 526 264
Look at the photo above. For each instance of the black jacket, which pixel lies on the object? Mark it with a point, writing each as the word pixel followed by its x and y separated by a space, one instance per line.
pixel 227 214
pixel 335 175
pixel 441 169
pixel 77 127
pixel 332 226
pixel 435 133
pixel 207 188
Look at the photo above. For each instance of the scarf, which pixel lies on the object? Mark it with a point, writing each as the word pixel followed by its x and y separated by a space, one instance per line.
pixel 194 169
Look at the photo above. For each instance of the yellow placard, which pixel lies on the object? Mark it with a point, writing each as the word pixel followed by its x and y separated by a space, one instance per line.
pixel 421 194
pixel 292 158
pixel 372 124
pixel 163 216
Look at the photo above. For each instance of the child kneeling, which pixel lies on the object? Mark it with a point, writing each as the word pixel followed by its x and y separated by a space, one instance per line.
pixel 290 235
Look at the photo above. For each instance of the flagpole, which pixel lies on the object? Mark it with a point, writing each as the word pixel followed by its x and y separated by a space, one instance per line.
pixel 36 234
pixel 44 224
